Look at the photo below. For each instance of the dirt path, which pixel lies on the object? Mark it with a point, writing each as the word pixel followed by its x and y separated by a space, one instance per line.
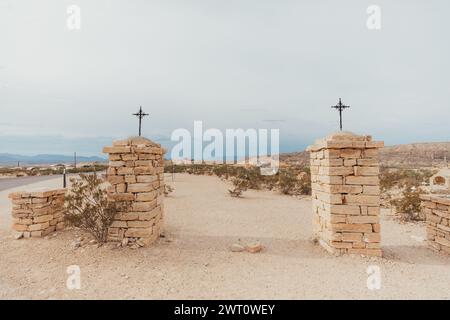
pixel 194 260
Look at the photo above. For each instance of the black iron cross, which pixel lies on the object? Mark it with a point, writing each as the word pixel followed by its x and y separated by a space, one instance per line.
pixel 140 114
pixel 340 107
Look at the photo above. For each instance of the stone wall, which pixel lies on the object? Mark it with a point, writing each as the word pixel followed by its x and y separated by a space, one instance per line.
pixel 346 194
pixel 136 175
pixel 37 213
pixel 437 212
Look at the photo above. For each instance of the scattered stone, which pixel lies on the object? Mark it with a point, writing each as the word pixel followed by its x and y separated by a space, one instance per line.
pixel 418 238
pixel 236 247
pixel 75 244
pixel 18 235
pixel 254 247
pixel 125 242
pixel 140 243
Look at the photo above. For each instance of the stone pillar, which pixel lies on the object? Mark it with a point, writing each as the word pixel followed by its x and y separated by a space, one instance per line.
pixel 136 175
pixel 346 193
pixel 437 213
pixel 37 213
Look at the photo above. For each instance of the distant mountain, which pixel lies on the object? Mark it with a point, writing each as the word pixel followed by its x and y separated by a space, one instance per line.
pixel 12 159
pixel 411 155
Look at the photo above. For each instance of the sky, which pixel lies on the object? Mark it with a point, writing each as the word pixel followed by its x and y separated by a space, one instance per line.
pixel 231 64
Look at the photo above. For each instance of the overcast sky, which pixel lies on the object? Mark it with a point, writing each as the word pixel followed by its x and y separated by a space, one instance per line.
pixel 234 63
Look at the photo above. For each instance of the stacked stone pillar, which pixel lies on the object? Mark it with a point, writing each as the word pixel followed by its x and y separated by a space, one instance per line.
pixel 437 212
pixel 136 175
pixel 37 213
pixel 346 194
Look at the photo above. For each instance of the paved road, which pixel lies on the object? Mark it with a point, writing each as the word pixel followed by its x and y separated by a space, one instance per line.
pixel 9 183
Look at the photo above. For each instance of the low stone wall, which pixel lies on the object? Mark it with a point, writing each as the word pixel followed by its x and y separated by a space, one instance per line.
pixel 136 175
pixel 37 213
pixel 346 193
pixel 437 211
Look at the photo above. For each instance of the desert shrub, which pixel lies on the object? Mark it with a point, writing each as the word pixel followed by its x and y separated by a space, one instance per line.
pixel 289 180
pixel 240 185
pixel 408 206
pixel 86 169
pixel 294 182
pixel 403 178
pixel 88 207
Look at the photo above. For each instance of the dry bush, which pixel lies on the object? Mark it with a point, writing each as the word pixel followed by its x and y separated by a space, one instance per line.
pixel 88 207
pixel 292 180
pixel 403 178
pixel 291 184
pixel 409 205
pixel 240 185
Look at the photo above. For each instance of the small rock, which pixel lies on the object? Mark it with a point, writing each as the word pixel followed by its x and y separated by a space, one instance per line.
pixel 93 241
pixel 140 243
pixel 417 238
pixel 254 247
pixel 124 242
pixel 162 235
pixel 76 244
pixel 236 247
pixel 18 235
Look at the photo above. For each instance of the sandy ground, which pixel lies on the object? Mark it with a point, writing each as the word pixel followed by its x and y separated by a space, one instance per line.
pixel 194 261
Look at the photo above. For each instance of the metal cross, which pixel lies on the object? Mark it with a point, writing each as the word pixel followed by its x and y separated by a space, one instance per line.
pixel 140 114
pixel 340 107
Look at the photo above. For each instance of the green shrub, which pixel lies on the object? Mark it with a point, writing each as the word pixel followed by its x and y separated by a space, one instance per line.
pixel 88 207
pixel 409 205
pixel 403 178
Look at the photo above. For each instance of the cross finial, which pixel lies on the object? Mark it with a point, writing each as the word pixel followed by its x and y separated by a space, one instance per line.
pixel 340 107
pixel 140 115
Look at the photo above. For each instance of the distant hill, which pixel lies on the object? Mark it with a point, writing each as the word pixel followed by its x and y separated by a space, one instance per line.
pixel 403 156
pixel 12 159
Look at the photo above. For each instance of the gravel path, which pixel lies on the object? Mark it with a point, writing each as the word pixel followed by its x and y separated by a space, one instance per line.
pixel 194 259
